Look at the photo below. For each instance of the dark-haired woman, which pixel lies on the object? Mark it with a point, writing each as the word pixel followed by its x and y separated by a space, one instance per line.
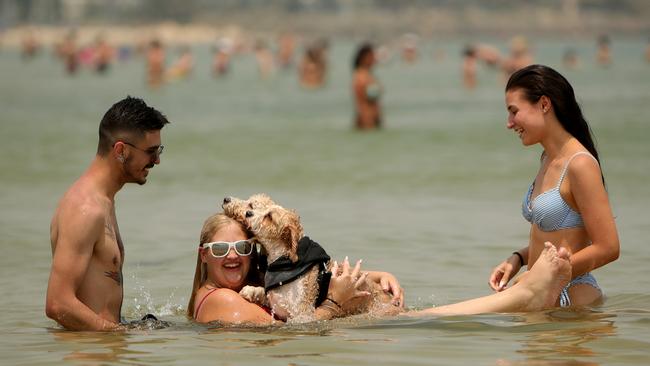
pixel 366 89
pixel 566 204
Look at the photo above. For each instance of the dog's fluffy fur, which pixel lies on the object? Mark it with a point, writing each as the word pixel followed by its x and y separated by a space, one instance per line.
pixel 278 230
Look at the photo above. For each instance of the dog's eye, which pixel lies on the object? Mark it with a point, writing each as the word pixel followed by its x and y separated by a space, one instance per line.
pixel 250 205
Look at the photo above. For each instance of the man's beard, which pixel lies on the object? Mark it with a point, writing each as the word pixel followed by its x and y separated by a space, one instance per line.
pixel 130 177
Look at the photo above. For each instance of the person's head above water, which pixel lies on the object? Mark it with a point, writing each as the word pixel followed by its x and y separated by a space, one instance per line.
pixel 364 56
pixel 130 118
pixel 129 133
pixel 225 258
pixel 538 81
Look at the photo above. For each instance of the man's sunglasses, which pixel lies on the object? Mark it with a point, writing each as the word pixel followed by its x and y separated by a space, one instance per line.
pixel 220 249
pixel 153 152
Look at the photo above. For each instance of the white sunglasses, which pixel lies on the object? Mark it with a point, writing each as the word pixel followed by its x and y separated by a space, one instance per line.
pixel 220 249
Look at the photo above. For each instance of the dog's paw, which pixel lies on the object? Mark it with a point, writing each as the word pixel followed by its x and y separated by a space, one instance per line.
pixel 254 294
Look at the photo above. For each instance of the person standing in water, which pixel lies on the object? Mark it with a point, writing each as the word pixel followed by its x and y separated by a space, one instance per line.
pixel 85 289
pixel 366 90
pixel 566 203
pixel 155 64
pixel 603 51
pixel 103 56
pixel 469 67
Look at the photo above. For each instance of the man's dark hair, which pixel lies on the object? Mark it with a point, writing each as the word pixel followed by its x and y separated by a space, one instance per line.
pixel 128 118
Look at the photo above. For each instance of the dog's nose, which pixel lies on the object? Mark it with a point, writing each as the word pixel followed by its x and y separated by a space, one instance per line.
pixel 249 213
pixel 227 200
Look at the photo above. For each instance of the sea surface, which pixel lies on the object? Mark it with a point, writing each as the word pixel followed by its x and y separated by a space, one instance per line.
pixel 434 198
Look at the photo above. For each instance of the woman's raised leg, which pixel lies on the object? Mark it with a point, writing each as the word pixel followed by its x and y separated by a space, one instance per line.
pixel 538 289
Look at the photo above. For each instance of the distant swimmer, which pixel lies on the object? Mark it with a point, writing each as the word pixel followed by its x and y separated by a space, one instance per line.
pixel 264 58
pixel 155 64
pixel 103 55
pixel 603 52
pixel 469 67
pixel 520 56
pixel 313 67
pixel 286 48
pixel 30 46
pixel 366 89
pixel 489 54
pixel 221 54
pixel 70 53
pixel 183 67
pixel 409 43
pixel 570 59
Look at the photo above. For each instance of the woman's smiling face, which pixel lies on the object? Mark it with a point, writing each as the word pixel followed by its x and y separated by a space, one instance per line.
pixel 524 117
pixel 231 270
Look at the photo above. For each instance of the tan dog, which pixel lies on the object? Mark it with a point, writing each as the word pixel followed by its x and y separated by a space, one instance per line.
pixel 280 232
pixel 236 208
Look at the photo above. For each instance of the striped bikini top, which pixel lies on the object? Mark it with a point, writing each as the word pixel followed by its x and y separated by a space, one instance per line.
pixel 549 210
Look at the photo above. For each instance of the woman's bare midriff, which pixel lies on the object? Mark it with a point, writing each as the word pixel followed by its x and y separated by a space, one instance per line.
pixel 573 239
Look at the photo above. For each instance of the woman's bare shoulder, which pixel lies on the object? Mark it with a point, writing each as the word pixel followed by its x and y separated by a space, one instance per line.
pixel 228 306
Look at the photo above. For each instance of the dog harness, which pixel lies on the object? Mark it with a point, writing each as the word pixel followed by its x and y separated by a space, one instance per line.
pixel 310 254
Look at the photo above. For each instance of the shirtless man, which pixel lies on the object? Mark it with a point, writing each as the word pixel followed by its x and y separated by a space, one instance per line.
pixel 85 289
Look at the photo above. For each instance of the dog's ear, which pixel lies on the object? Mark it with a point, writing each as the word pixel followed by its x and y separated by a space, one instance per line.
pixel 289 239
pixel 291 235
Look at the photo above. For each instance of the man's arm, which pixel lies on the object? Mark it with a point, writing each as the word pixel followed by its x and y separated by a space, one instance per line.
pixel 79 229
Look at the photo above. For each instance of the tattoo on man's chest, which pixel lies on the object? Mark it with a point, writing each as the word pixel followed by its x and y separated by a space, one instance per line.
pixel 109 230
pixel 115 276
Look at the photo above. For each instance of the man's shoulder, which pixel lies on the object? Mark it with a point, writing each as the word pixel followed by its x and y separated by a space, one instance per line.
pixel 83 203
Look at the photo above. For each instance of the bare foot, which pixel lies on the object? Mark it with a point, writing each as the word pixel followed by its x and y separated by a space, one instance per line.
pixel 550 274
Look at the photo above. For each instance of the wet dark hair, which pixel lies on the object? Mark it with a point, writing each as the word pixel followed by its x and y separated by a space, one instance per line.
pixel 539 80
pixel 469 50
pixel 129 117
pixel 364 49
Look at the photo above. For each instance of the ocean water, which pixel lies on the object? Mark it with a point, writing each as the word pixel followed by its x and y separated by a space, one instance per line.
pixel 434 198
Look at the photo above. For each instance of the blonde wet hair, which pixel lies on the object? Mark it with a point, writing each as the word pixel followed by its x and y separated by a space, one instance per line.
pixel 211 226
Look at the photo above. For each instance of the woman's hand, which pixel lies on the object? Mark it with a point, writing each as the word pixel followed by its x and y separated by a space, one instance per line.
pixel 389 284
pixel 504 272
pixel 345 283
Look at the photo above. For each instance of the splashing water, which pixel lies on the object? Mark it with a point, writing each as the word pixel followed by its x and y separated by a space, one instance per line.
pixel 144 303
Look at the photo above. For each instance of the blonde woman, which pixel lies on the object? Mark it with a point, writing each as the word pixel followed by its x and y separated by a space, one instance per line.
pixel 227 261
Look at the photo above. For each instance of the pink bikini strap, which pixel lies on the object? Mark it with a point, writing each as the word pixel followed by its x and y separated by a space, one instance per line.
pixel 198 307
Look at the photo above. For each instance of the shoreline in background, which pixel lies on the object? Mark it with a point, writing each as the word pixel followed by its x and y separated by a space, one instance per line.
pixel 168 32
pixel 375 24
